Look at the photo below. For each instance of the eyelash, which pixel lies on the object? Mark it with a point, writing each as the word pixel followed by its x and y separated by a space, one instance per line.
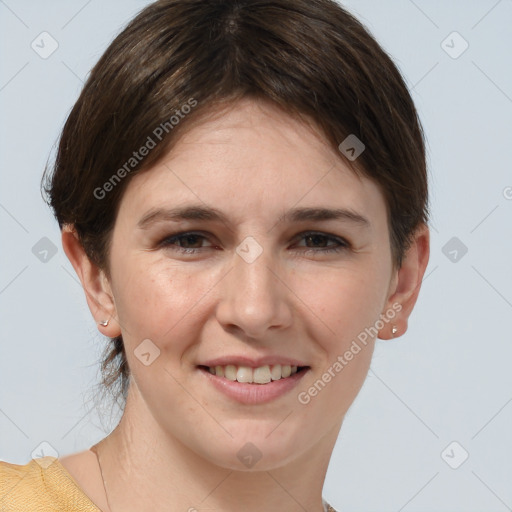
pixel 343 244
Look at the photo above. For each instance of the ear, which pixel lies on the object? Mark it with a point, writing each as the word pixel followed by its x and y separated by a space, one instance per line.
pixel 406 283
pixel 96 286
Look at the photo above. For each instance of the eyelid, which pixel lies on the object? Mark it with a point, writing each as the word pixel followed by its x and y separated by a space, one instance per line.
pixel 329 236
pixel 182 234
pixel 341 243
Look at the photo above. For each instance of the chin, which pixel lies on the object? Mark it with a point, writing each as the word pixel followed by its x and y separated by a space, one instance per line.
pixel 257 452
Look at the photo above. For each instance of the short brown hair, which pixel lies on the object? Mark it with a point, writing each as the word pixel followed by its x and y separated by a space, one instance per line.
pixel 311 58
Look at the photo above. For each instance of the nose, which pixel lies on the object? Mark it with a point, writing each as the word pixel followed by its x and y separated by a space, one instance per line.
pixel 254 297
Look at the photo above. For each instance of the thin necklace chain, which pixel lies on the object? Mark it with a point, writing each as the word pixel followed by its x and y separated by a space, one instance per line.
pixel 95 450
pixel 327 507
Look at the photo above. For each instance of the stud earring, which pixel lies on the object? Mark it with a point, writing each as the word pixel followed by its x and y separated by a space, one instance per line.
pixel 104 323
pixel 394 330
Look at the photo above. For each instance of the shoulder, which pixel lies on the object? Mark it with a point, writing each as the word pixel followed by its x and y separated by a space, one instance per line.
pixel 41 484
pixel 327 507
pixel 23 484
pixel 21 475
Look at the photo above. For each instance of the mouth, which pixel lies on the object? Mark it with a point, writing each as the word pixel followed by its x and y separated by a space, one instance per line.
pixel 253 385
pixel 259 376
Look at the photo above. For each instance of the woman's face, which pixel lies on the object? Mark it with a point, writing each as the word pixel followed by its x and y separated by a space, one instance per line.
pixel 283 258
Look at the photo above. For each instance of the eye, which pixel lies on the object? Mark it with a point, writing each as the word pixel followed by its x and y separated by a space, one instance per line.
pixel 317 242
pixel 188 243
pixel 193 243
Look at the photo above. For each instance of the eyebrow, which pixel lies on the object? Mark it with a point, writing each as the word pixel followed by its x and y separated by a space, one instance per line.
pixel 319 214
pixel 199 212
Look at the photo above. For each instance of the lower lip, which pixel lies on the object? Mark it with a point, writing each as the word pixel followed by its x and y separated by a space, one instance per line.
pixel 246 393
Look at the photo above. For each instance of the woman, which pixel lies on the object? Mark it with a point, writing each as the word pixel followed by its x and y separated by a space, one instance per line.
pixel 242 191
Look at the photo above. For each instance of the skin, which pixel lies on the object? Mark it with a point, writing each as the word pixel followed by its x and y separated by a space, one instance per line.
pixel 178 440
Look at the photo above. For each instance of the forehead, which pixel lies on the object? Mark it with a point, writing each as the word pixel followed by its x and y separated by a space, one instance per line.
pixel 253 157
pixel 257 129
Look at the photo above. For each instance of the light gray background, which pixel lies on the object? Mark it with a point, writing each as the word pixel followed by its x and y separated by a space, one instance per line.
pixel 447 379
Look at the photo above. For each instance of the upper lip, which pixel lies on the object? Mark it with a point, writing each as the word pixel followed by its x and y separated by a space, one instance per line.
pixel 251 362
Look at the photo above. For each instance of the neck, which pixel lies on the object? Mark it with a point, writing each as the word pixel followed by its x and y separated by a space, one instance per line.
pixel 145 468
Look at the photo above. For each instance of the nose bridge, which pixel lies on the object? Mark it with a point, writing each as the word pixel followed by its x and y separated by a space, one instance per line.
pixel 253 275
pixel 254 299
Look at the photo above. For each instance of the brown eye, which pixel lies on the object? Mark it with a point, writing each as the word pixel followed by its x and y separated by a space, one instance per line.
pixel 185 242
pixel 324 243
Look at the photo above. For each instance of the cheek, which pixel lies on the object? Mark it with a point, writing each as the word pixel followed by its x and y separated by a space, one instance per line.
pixel 158 300
pixel 344 301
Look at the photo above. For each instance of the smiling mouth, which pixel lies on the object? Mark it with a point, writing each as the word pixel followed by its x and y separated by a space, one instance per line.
pixel 260 375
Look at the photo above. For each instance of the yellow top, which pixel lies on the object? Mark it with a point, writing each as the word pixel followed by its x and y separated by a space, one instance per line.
pixel 45 485
pixel 41 485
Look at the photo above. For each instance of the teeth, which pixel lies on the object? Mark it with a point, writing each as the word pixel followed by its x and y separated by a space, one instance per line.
pixel 230 372
pixel 260 375
pixel 275 372
pixel 244 374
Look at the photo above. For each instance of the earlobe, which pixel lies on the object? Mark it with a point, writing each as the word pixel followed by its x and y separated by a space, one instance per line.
pixel 96 286
pixel 408 283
